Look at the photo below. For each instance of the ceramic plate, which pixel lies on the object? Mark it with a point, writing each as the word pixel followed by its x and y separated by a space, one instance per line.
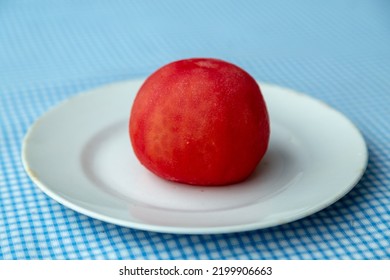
pixel 80 155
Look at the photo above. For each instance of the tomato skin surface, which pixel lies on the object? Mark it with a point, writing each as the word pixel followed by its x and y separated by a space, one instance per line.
pixel 200 121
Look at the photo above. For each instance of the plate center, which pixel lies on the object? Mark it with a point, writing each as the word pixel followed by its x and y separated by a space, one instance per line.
pixel 108 160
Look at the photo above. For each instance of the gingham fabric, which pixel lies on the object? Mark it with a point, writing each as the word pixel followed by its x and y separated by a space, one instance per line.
pixel 337 51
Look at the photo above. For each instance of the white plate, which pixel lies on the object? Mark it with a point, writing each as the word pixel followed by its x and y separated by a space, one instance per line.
pixel 80 155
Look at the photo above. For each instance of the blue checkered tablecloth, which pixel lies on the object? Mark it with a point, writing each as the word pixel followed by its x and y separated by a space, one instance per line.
pixel 337 51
